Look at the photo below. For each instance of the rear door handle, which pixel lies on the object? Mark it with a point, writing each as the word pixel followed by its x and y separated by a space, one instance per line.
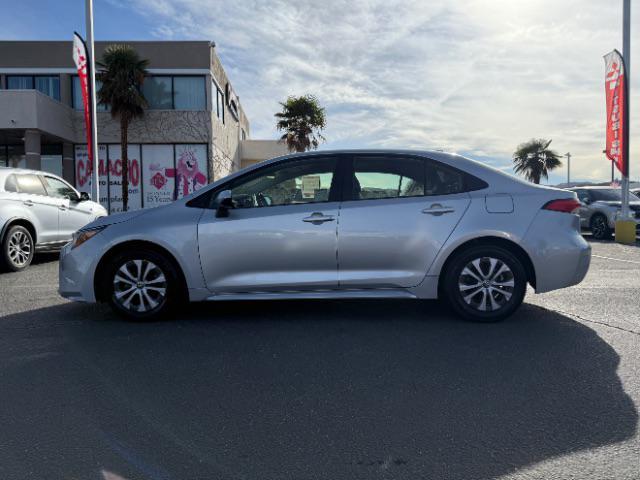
pixel 28 203
pixel 318 217
pixel 437 209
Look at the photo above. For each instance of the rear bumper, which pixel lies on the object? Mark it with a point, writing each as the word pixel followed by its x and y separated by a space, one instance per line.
pixel 560 255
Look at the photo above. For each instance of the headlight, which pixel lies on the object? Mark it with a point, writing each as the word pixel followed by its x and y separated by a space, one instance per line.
pixel 83 235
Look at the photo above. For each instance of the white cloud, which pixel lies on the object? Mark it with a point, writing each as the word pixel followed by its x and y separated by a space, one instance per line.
pixel 473 76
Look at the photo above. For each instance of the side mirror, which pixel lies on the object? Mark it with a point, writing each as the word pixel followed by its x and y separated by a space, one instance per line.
pixel 585 200
pixel 225 203
pixel 84 197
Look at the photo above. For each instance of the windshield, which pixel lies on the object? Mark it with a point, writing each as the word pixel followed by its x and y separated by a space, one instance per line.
pixel 612 195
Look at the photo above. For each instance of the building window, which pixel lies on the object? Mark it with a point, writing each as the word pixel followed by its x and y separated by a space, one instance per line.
pixel 157 91
pixel 47 84
pixel 76 95
pixel 189 93
pixel 219 106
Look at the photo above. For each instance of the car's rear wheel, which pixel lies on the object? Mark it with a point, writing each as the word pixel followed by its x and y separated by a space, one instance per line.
pixel 600 227
pixel 17 248
pixel 142 284
pixel 485 283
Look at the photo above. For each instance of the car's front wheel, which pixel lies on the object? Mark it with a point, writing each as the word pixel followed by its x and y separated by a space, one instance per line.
pixel 17 248
pixel 142 284
pixel 485 283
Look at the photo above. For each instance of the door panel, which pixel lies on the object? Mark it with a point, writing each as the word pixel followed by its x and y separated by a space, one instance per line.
pixel 391 242
pixel 34 197
pixel 266 249
pixel 73 214
pixel 281 233
pixel 402 209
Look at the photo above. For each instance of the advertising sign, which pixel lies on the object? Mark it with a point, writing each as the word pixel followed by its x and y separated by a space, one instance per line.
pixel 158 175
pixel 616 95
pixel 84 170
pixel 191 168
pixel 80 60
pixel 115 178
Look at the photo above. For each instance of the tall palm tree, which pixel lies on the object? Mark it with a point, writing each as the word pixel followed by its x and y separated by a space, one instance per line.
pixel 302 119
pixel 122 73
pixel 535 160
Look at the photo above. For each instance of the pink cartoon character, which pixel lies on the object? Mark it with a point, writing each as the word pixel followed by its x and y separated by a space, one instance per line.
pixel 190 178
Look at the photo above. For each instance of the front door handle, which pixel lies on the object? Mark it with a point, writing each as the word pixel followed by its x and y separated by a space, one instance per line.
pixel 318 218
pixel 438 209
pixel 28 203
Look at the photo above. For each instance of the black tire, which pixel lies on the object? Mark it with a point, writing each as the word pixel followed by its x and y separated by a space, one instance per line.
pixel 599 226
pixel 495 292
pixel 140 282
pixel 17 248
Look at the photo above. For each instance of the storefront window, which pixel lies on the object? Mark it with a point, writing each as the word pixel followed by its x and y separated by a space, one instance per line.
pixel 157 92
pixel 47 84
pixel 188 93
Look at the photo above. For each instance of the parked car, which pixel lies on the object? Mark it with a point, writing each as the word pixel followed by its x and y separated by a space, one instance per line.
pixel 344 224
pixel 635 191
pixel 39 212
pixel 599 208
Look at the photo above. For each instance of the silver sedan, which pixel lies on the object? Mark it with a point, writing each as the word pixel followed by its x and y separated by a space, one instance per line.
pixel 337 224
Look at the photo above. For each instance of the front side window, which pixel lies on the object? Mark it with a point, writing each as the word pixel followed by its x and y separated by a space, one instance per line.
pixel 59 189
pixel 307 181
pixel 383 177
pixel 30 184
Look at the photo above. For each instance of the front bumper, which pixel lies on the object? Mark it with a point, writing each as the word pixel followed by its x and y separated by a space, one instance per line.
pixel 75 273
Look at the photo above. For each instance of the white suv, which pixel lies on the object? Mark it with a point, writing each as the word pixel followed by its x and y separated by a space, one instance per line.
pixel 39 212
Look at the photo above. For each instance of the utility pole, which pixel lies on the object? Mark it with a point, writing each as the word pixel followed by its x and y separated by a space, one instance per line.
pixel 91 64
pixel 568 155
pixel 626 55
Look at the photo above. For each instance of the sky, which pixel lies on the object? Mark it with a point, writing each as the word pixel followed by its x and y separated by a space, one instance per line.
pixel 470 76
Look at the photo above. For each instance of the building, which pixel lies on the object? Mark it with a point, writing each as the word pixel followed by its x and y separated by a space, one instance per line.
pixel 194 131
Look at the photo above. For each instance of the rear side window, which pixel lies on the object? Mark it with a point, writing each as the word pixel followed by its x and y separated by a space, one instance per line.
pixel 10 184
pixel 383 177
pixel 30 184
pixel 446 180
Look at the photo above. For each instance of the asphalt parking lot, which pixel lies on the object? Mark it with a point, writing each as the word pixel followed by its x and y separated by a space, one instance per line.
pixel 324 389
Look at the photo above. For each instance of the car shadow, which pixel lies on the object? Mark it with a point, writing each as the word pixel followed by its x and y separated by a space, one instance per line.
pixel 324 389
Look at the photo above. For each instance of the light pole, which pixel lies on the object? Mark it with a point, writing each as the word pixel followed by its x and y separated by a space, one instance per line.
pixel 95 190
pixel 568 155
pixel 626 55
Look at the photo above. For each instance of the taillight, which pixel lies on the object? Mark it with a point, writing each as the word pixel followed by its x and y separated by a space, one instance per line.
pixel 566 205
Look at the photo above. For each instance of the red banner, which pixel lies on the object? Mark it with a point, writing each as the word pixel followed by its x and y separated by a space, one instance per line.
pixel 80 59
pixel 616 93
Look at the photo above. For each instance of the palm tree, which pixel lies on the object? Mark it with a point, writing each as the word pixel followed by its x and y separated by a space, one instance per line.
pixel 535 160
pixel 122 73
pixel 302 119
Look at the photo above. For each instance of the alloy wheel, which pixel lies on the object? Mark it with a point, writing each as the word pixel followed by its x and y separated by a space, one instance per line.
pixel 19 249
pixel 139 286
pixel 598 227
pixel 486 284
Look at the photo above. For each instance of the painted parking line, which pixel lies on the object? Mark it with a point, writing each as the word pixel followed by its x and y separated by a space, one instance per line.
pixel 617 259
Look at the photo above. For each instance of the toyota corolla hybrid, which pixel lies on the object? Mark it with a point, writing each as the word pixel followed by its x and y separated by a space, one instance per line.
pixel 341 224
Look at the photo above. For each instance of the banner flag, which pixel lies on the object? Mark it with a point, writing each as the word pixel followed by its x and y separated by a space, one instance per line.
pixel 80 59
pixel 616 96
